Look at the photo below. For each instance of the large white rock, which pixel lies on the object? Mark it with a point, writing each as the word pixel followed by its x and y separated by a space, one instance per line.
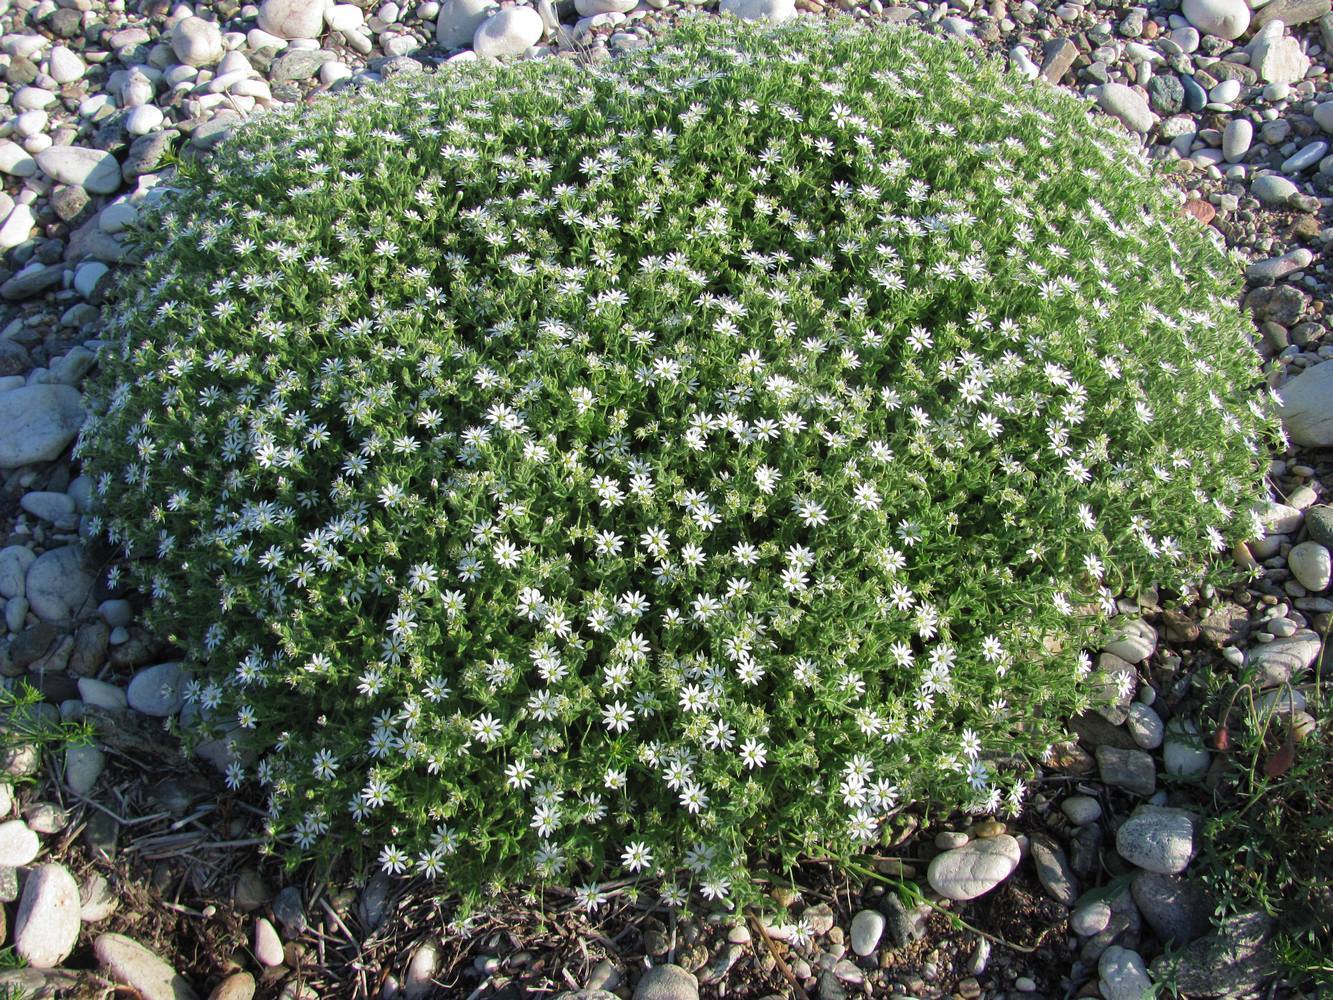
pixel 975 868
pixel 1307 407
pixel 17 228
pixel 1157 839
pixel 65 65
pixel 57 584
pixel 509 32
pixel 47 924
pixel 459 20
pixel 18 844
pixel 15 160
pixel 776 11
pixel 1127 104
pixel 1277 57
pixel 344 17
pixel 292 18
pixel 126 961
pixel 1224 18
pixel 156 690
pixel 37 422
pixel 95 170
pixel 197 42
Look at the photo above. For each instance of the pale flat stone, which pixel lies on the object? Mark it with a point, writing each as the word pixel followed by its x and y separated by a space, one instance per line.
pixel 95 170
pixel 974 869
pixel 47 924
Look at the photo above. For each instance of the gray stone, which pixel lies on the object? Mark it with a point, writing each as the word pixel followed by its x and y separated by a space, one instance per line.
pixel 94 170
pixel 1090 918
pixel 1235 960
pixel 1273 189
pixel 18 844
pixel 1277 57
pixel 1277 662
pixel 866 930
pixel 126 961
pixel 1305 157
pixel 1053 871
pixel 974 869
pixel 1311 565
pixel 509 32
pixel 418 981
pixel 290 912
pixel 83 766
pixel 1081 809
pixel 47 924
pixel 1123 975
pixel 14 563
pixel 776 11
pixel 1236 139
pixel 237 986
pixel 1290 12
pixel 1166 94
pixel 1322 114
pixel 667 982
pixel 156 690
pixel 37 422
pixel 1157 839
pixel 1115 687
pixel 1224 18
pixel 57 584
pixel 33 280
pixel 292 18
pixel 1134 641
pixel 459 20
pixel 65 65
pixel 1183 752
pixel 1145 726
pixel 1178 909
pixel 299 64
pixel 1319 523
pixel 1277 268
pixel 1126 104
pixel 1132 770
pixel 96 900
pixel 1278 518
pixel 197 42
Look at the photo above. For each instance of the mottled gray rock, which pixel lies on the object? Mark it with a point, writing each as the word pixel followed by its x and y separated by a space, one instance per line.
pixel 667 982
pixel 1177 908
pixel 1090 918
pixel 37 422
pixel 1235 960
pixel 1145 726
pixel 1132 770
pixel 1311 565
pixel 1123 975
pixel 1053 871
pixel 57 584
pixel 1319 523
pixel 1272 189
pixel 1157 839
pixel 1126 104
pixel 974 869
pixel 126 961
pixel 156 690
pixel 1285 657
pixel 47 924
pixel 1081 809
pixel 14 563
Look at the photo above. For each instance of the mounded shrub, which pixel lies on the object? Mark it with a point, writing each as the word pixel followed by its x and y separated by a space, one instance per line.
pixel 557 471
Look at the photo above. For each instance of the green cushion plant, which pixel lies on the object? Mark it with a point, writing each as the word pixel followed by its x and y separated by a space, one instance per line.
pixel 566 472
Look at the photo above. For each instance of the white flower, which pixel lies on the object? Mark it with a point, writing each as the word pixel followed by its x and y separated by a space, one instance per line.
pixel 636 856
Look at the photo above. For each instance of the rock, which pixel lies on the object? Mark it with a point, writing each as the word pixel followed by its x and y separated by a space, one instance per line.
pixel 1132 770
pixel 57 584
pixel 1235 960
pixel 32 280
pixel 1178 909
pixel 14 563
pixel 1305 157
pixel 1081 809
pixel 37 422
pixel 509 32
pixel 775 11
pixel 1224 18
pixel 866 930
pixel 47 924
pixel 237 986
pixel 1053 871
pixel 1145 726
pixel 268 946
pixel 1157 839
pixel 197 42
pixel 83 766
pixel 65 65
pixel 17 226
pixel 1183 752
pixel 128 962
pixel 1135 640
pixel 1236 139
pixel 1310 562
pixel 1291 12
pixel 1277 662
pixel 1123 975
pixel 1273 189
pixel 289 911
pixel 94 170
pixel 299 64
pixel 1318 522
pixel 591 8
pixel 1126 104
pixel 96 901
pixel 18 844
pixel 144 119
pixel 418 981
pixel 1277 268
pixel 667 982
pixel 292 18
pixel 156 690
pixel 1090 918
pixel 1276 57
pixel 459 20
pixel 1278 518
pixel 975 868
pixel 45 984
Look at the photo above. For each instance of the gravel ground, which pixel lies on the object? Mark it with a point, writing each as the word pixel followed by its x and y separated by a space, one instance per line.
pixel 125 845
